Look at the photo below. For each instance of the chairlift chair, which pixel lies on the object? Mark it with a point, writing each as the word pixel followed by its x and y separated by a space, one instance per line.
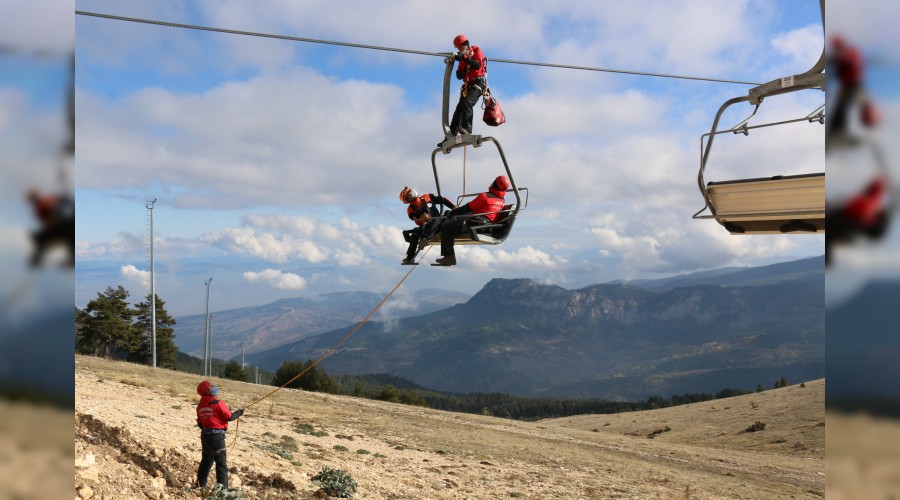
pixel 483 234
pixel 767 205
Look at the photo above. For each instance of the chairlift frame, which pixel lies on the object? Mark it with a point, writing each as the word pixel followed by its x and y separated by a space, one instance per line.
pixel 489 234
pixel 770 205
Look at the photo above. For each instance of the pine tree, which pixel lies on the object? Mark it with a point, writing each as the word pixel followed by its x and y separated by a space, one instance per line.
pixel 105 325
pixel 165 334
pixel 315 379
pixel 234 371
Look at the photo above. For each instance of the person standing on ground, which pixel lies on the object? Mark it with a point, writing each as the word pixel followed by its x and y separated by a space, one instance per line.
pixel 213 416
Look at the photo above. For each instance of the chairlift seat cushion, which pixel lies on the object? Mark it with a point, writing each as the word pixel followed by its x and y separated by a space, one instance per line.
pixel 773 205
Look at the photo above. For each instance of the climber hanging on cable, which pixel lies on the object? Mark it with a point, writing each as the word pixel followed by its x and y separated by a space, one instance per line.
pixel 426 214
pixel 471 70
pixel 849 68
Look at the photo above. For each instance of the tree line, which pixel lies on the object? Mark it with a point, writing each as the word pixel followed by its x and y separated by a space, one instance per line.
pixel 111 328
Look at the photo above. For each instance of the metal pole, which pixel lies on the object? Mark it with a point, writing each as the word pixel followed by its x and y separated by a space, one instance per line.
pixel 206 333
pixel 149 206
pixel 209 341
pixel 257 372
pixel 242 355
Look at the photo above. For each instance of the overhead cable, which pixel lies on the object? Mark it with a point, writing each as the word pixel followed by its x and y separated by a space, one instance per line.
pixel 404 51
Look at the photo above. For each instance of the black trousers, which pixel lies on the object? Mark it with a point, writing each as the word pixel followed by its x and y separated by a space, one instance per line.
pixel 836 124
pixel 213 451
pixel 44 239
pixel 463 115
pixel 412 236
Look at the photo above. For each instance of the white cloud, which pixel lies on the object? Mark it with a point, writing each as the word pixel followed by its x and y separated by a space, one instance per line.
pixel 497 259
pixel 803 46
pixel 133 273
pixel 276 278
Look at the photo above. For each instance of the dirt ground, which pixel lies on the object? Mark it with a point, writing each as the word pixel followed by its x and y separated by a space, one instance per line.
pixel 136 438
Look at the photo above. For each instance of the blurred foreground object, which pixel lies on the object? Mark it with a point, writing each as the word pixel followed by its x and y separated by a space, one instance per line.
pixel 36 450
pixel 55 213
pixel 863 457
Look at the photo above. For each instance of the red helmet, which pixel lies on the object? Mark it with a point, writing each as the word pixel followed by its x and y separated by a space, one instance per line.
pixel 501 183
pixel 203 388
pixel 837 42
pixel 459 41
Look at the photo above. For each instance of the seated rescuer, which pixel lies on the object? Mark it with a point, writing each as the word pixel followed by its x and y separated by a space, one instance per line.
pixel 213 416
pixel 423 210
pixel 486 206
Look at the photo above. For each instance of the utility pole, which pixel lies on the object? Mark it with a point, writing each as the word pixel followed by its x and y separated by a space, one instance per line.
pixel 206 333
pixel 257 372
pixel 209 340
pixel 242 355
pixel 149 206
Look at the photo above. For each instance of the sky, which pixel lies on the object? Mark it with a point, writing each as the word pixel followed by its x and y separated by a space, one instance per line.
pixel 276 165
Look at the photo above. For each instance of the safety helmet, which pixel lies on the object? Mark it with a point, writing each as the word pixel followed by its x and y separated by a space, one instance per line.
pixel 203 388
pixel 459 41
pixel 501 183
pixel 837 42
pixel 408 194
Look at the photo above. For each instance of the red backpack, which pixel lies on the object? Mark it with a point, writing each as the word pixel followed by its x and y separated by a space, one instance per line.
pixel 493 115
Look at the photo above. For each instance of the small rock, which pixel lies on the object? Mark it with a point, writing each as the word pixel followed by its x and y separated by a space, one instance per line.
pixel 85 493
pixel 158 483
pixel 234 481
pixel 157 452
pixel 88 461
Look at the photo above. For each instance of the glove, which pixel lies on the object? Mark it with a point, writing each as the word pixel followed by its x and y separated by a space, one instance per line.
pixel 458 56
pixel 425 218
pixel 239 413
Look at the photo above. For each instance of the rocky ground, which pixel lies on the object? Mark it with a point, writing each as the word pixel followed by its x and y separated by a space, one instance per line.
pixel 135 437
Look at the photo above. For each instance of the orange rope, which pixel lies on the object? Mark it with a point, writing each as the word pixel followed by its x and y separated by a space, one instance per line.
pixel 333 349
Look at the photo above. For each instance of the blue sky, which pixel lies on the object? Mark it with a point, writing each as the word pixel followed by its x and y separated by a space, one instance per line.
pixel 276 164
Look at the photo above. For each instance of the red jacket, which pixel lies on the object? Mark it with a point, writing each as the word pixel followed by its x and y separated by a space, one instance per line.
pixel 212 413
pixel 849 66
pixel 427 204
pixel 470 73
pixel 490 203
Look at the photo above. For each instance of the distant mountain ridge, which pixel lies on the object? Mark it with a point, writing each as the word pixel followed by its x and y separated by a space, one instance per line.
pixel 290 319
pixel 616 341
pixel 799 270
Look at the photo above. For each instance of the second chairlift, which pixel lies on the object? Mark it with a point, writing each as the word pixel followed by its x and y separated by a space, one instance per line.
pixel 769 205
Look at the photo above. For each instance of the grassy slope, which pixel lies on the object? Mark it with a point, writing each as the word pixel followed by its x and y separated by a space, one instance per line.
pixel 424 453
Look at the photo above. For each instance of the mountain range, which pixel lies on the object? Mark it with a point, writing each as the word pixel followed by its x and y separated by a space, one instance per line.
pixel 287 320
pixel 732 328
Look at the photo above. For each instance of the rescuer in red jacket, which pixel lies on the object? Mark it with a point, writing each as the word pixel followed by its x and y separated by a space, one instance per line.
pixel 485 206
pixel 471 71
pixel 213 416
pixel 56 215
pixel 848 67
pixel 424 211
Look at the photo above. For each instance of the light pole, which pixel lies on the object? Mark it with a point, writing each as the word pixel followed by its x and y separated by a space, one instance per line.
pixel 149 206
pixel 206 333
pixel 209 340
pixel 242 355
